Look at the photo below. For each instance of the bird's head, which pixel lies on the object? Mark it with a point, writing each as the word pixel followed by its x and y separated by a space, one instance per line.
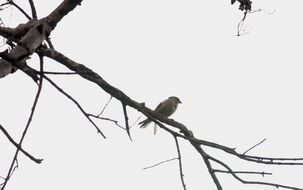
pixel 175 99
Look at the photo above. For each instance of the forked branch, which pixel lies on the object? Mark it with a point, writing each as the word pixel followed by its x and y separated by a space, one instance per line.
pixel 183 131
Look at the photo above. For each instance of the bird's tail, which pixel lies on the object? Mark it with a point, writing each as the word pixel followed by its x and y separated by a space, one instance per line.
pixel 144 123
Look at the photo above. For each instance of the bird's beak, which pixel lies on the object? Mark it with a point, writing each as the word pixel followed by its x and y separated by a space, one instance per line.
pixel 180 102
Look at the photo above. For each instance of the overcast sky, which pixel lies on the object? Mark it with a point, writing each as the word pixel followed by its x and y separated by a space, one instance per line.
pixel 235 91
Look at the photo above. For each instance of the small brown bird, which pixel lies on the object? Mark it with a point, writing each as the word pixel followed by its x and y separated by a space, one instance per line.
pixel 165 108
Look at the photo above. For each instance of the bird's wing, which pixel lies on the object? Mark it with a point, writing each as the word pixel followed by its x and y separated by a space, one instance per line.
pixel 166 108
pixel 160 106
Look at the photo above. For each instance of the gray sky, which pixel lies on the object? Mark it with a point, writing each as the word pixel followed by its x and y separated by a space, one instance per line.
pixel 235 91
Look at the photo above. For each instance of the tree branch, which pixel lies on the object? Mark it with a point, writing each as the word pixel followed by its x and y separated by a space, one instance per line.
pixel 11 169
pixel 38 161
pixel 251 182
pixel 257 159
pixel 33 8
pixel 180 163
pixel 254 146
pixel 160 121
pixel 20 9
pixel 126 120
pixel 106 119
pixel 75 102
pixel 90 75
pixel 39 32
pixel 206 157
pixel 103 109
pixel 165 161
pixel 243 172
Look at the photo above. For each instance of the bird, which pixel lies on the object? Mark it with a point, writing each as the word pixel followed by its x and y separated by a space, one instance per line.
pixel 166 108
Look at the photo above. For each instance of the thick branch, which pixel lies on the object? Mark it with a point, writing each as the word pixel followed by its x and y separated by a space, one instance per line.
pixel 90 75
pixel 95 78
pixel 35 36
pixel 63 9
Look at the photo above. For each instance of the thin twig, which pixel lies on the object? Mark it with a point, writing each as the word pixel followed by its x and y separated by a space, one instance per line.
pixel 38 161
pixel 33 8
pixel 276 159
pixel 103 109
pixel 20 9
pixel 126 121
pixel 59 73
pixel 257 159
pixel 106 119
pixel 244 172
pixel 252 182
pixel 180 163
pixel 240 24
pixel 12 168
pixel 15 168
pixel 165 161
pixel 6 3
pixel 135 122
pixel 254 146
pixel 75 102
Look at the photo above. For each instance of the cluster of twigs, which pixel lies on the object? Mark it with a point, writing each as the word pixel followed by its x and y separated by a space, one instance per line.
pixel 17 60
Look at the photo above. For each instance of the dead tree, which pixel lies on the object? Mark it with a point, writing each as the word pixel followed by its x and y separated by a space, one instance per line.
pixel 33 37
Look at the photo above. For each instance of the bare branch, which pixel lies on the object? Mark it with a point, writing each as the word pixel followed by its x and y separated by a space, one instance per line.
pixel 254 146
pixel 4 4
pixel 180 163
pixel 103 109
pixel 206 157
pixel 59 73
pixel 243 172
pixel 11 169
pixel 20 9
pixel 33 8
pixel 38 161
pixel 251 182
pixel 15 167
pixel 158 119
pixel 90 75
pixel 165 161
pixel 126 120
pixel 135 121
pixel 106 119
pixel 240 24
pixel 257 159
pixel 38 32
pixel 75 102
